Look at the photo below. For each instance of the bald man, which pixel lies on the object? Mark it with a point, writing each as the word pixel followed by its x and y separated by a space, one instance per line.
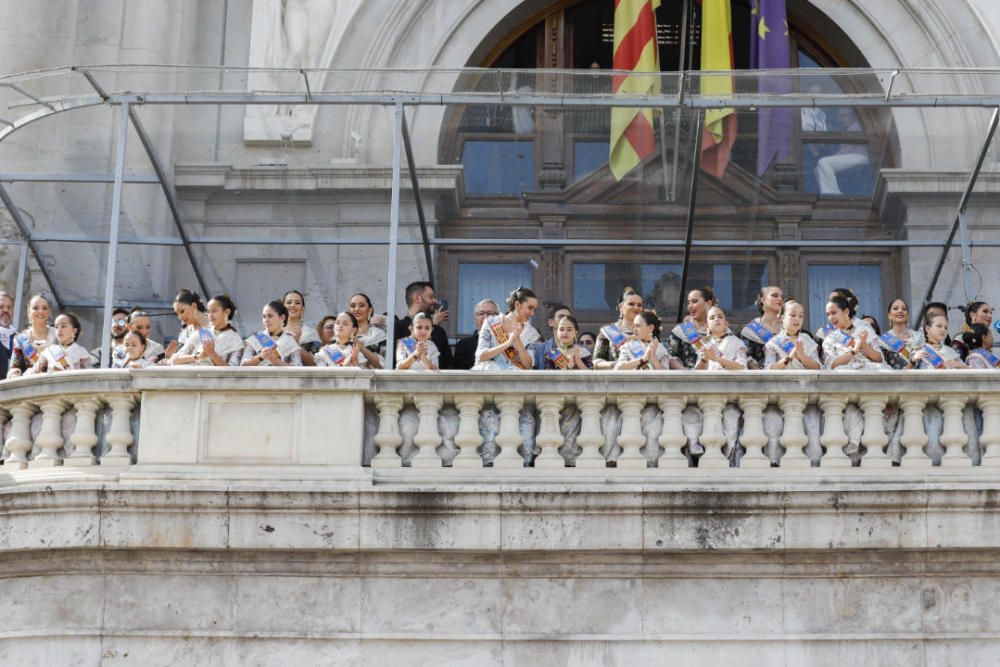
pixel 465 349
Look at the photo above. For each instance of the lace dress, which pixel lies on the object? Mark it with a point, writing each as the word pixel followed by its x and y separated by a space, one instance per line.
pixel 897 349
pixel 779 347
pixel 755 336
pixel 731 348
pixel 228 345
pixel 838 343
pixel 609 342
pixel 288 348
pixel 635 349
pixel 489 337
pixel 684 341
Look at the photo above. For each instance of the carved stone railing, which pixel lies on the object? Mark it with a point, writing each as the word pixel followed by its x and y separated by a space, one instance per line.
pixel 503 424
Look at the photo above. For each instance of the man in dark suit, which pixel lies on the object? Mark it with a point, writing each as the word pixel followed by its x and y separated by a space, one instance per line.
pixel 6 332
pixel 420 298
pixel 465 349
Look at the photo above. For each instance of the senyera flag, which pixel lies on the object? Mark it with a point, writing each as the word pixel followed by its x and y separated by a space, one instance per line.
pixel 719 133
pixel 635 49
pixel 769 49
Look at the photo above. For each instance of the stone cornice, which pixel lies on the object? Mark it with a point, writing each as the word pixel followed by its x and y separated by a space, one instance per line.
pixel 898 189
pixel 215 176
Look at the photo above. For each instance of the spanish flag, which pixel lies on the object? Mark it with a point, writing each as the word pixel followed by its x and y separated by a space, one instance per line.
pixel 635 49
pixel 719 133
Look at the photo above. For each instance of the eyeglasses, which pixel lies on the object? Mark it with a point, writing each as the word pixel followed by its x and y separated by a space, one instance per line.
pixel 120 323
pixel 485 313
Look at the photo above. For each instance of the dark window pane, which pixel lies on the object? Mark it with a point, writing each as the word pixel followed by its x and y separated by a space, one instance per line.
pixel 498 167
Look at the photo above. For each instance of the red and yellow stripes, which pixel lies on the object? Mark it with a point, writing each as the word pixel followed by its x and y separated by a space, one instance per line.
pixel 719 133
pixel 635 49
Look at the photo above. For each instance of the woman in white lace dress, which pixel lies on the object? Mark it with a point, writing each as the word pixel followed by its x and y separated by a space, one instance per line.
pixel 645 351
pixel 849 345
pixel 216 345
pixel 935 354
pixel 504 339
pixel 722 350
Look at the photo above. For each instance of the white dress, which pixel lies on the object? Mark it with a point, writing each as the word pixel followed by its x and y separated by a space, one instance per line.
pixel 404 349
pixel 981 358
pixel 228 345
pixel 634 349
pixel 731 348
pixel 946 352
pixel 287 348
pixel 154 350
pixel 773 352
pixel 898 359
pixel 834 348
pixel 71 358
pixel 336 355
pixel 488 339
pixel 19 358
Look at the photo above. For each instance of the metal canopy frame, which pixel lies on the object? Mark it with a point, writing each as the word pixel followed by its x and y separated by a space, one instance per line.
pixel 686 97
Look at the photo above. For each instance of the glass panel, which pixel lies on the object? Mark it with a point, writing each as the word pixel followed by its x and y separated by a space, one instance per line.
pixel 588 156
pixel 498 167
pixel 487 281
pixel 865 280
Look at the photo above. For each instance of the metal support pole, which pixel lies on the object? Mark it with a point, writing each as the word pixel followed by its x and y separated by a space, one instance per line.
pixel 22 227
pixel 412 165
pixel 22 269
pixel 692 197
pixel 962 206
pixel 116 205
pixel 390 299
pixel 963 231
pixel 168 192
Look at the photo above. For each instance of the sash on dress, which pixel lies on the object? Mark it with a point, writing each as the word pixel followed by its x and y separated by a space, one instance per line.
pixel 501 336
pixel 28 349
pixel 410 343
pixel 691 334
pixel 336 356
pixel 265 340
pixel 560 360
pixel 118 357
pixel 206 335
pixel 841 337
pixel 58 355
pixel 895 343
pixel 615 335
pixel 757 332
pixel 991 359
pixel 933 358
pixel 782 343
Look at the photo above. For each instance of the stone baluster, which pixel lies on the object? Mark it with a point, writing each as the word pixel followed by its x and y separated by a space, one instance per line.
pixel 428 437
pixel 468 437
pixel 84 436
pixel 914 437
pixel 4 416
pixel 19 442
pixel 631 438
pixel 953 436
pixel 590 438
pixel 672 438
pixel 713 438
pixel 834 437
pixel 509 436
pixel 793 432
pixel 388 437
pixel 990 439
pixel 754 438
pixel 49 438
pixel 119 436
pixel 874 437
pixel 549 438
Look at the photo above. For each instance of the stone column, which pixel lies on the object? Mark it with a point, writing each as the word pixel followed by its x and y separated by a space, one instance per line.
pixel 119 436
pixel 754 438
pixel 428 436
pixel 468 437
pixel 874 437
pixel 793 432
pixel 990 439
pixel 549 436
pixel 712 436
pixel 834 438
pixel 388 437
pixel 509 435
pixel 913 438
pixel 631 438
pixel 672 438
pixel 19 441
pixel 50 438
pixel 84 436
pixel 953 436
pixel 590 437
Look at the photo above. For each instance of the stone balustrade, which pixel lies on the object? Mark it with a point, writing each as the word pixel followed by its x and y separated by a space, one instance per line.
pixel 510 424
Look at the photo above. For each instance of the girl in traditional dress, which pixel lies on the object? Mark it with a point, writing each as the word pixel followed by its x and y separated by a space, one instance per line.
pixel 645 351
pixel 849 344
pixel 217 345
pixel 613 336
pixel 28 345
pixel 418 351
pixel 980 353
pixel 343 350
pixel 934 353
pixel 304 335
pixel 899 341
pixel 65 354
pixel 273 346
pixel 140 322
pixel 685 340
pixel 759 330
pixel 132 353
pixel 792 348
pixel 193 316
pixel 371 337
pixel 504 339
pixel 566 355
pixel 722 350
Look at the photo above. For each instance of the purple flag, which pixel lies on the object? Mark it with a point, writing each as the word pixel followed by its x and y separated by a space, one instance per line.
pixel 769 49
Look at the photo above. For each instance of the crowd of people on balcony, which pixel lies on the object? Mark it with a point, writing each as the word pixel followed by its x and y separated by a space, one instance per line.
pixel 506 340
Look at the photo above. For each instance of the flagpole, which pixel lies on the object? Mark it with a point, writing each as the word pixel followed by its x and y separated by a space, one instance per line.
pixel 677 112
pixel 693 195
